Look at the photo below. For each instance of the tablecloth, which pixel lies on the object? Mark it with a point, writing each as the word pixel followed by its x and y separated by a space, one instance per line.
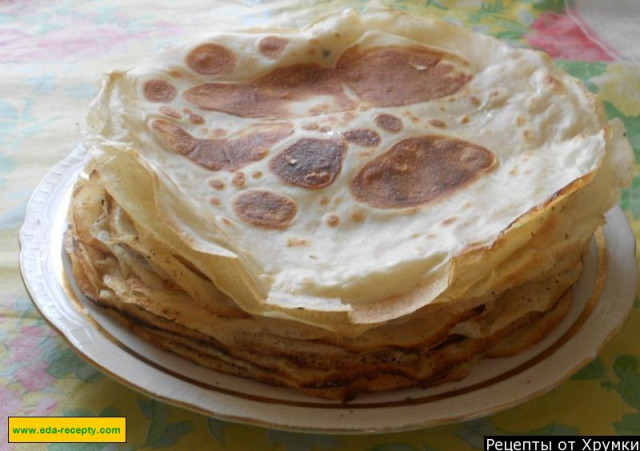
pixel 52 54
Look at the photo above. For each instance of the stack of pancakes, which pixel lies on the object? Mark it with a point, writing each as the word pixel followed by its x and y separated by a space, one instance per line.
pixel 375 202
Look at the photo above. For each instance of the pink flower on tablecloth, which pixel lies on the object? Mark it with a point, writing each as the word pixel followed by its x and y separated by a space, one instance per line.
pixel 561 37
pixel 26 346
pixel 77 40
pixel 23 348
pixel 34 376
pixel 35 331
pixel 76 35
pixel 10 404
pixel 44 407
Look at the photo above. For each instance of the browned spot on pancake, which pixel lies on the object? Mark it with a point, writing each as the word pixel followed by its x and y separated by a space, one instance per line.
pixel 216 184
pixel 324 200
pixel 449 221
pixel 196 119
pixel 228 154
pixel 211 59
pixel 324 108
pixel 394 76
pixel 362 137
pixel 388 122
pixel 215 201
pixel 296 242
pixel 168 111
pixel 261 153
pixel 272 94
pixel 272 46
pixel 532 104
pixel 310 126
pixel 227 222
pixel 495 93
pixel 554 82
pixel 159 91
pixel 520 121
pixel 464 119
pixel 418 170
pixel 437 123
pixel 357 216
pixel 239 180
pixel 381 76
pixel 310 163
pixel 474 101
pixel 527 135
pixel 257 174
pixel 333 220
pixel 265 209
pixel 178 139
pixel 325 129
pixel 175 73
pixel 349 116
pixel 218 133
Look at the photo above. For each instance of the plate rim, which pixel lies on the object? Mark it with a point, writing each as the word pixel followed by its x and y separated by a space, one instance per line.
pixel 46 188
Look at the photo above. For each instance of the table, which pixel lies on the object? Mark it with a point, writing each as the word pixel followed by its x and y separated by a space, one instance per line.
pixel 52 55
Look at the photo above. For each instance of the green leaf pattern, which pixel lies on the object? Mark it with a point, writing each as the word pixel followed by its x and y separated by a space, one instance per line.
pixel 162 433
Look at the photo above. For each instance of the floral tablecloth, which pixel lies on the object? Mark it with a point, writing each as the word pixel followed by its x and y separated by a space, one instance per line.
pixel 51 56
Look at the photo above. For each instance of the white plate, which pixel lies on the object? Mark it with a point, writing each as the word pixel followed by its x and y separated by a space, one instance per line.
pixel 603 297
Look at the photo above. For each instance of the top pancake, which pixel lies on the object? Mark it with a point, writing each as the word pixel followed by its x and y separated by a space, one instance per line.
pixel 345 172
